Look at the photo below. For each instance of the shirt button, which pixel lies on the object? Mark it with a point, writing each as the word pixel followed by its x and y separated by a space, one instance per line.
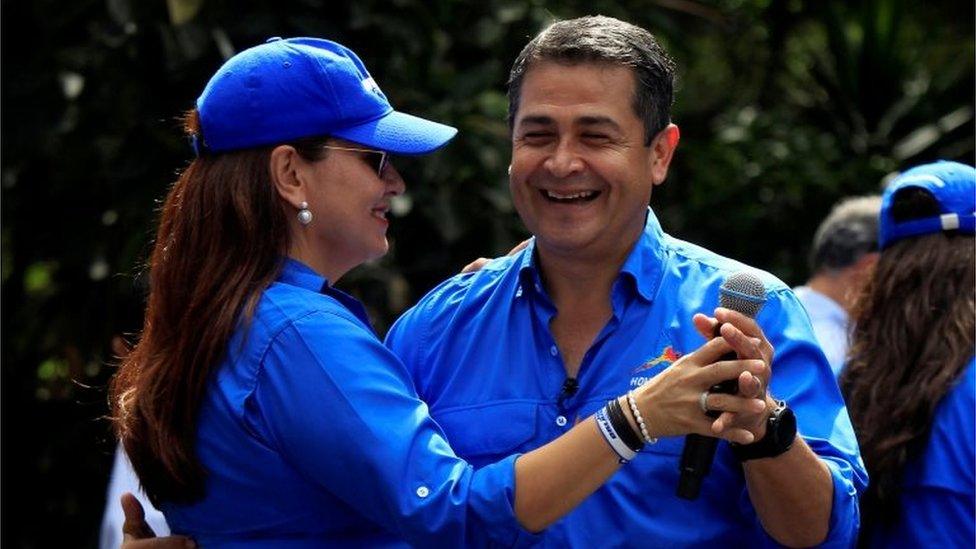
pixel 553 350
pixel 423 492
pixel 561 421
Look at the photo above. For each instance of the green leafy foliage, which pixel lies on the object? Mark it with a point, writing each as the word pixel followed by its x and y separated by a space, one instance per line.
pixel 784 106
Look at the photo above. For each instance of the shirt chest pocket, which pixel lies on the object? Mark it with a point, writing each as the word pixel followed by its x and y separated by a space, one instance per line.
pixel 483 434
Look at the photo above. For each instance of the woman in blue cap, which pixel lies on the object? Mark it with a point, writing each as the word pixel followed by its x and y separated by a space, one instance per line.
pixel 259 408
pixel 910 382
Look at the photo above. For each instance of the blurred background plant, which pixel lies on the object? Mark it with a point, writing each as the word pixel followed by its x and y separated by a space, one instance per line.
pixel 785 106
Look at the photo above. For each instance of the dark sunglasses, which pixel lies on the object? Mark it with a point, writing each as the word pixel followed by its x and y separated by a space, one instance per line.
pixel 376 159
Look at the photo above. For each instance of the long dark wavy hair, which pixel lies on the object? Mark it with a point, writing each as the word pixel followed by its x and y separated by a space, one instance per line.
pixel 913 336
pixel 222 234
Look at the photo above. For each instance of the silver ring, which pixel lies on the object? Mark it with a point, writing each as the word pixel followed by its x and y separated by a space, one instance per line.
pixel 703 402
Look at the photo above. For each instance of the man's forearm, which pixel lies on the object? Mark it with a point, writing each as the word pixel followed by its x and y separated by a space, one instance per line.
pixel 792 494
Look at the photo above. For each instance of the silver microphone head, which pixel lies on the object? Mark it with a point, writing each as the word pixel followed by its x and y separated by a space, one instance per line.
pixel 742 292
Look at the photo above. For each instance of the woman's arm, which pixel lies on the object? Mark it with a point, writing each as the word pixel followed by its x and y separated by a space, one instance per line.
pixel 341 408
pixel 555 478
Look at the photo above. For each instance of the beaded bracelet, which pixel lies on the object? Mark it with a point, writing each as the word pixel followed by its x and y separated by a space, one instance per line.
pixel 640 420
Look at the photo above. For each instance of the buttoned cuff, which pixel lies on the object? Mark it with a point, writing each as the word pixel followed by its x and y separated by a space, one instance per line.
pixel 493 499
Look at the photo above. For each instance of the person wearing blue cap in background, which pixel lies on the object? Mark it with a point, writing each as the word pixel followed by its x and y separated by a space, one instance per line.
pixel 910 381
pixel 259 408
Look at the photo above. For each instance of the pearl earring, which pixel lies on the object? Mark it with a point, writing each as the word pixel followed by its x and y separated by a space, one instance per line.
pixel 304 215
pixel 509 169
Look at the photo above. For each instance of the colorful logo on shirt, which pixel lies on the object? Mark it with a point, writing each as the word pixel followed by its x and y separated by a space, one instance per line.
pixel 667 356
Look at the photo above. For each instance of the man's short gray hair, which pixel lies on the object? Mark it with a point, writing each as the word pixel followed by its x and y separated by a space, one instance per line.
pixel 599 39
pixel 848 232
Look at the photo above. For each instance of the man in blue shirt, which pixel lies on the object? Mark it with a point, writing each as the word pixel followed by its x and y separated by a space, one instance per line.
pixel 602 300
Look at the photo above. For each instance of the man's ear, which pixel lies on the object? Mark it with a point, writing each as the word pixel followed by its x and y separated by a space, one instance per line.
pixel 284 168
pixel 662 151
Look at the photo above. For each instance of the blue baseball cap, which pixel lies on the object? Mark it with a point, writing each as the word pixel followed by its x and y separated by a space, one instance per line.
pixel 286 89
pixel 954 187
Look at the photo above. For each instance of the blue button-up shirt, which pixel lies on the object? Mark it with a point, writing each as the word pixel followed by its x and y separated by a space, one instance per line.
pixel 312 435
pixel 937 499
pixel 483 357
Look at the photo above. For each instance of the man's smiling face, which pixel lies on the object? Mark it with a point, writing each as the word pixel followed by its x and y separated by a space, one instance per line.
pixel 581 175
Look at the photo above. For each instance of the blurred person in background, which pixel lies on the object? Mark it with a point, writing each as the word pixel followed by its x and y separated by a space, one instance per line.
pixel 909 380
pixel 258 406
pixel 123 479
pixel 844 252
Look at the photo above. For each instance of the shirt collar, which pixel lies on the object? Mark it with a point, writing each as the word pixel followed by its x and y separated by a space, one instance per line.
pixel 643 266
pixel 822 305
pixel 645 263
pixel 527 270
pixel 296 273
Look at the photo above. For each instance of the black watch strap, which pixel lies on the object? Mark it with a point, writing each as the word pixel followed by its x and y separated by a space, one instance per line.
pixel 780 434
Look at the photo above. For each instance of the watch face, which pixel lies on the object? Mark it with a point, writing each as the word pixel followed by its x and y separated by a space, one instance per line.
pixel 785 426
pixel 780 435
pixel 780 406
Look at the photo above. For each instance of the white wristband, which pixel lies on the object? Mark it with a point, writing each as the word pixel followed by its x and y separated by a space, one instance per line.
pixel 610 434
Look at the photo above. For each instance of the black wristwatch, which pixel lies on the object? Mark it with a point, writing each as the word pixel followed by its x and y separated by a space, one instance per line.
pixel 780 434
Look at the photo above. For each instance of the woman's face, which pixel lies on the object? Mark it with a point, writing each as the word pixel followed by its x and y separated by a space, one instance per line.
pixel 349 202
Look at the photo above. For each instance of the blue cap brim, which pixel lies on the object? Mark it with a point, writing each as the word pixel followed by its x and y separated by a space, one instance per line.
pixel 399 133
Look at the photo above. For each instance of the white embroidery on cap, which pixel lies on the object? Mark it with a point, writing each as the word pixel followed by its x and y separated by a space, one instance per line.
pixel 370 85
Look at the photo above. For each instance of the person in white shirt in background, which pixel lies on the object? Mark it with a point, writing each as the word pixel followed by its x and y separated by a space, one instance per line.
pixel 124 479
pixel 845 249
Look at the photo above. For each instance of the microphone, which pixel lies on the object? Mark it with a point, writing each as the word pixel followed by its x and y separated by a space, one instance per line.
pixel 742 292
pixel 569 388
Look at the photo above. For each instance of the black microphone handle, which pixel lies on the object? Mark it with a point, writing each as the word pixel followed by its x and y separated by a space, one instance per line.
pixel 696 463
pixel 699 450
